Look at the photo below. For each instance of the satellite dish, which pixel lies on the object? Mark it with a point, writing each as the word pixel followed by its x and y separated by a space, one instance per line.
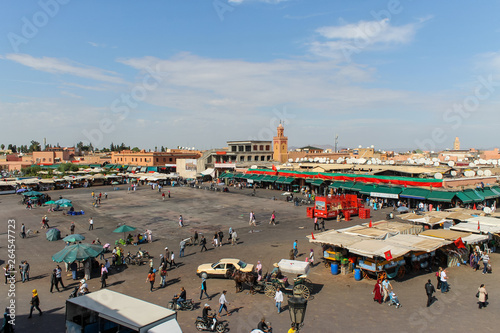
pixel 369 162
pixel 480 172
pixel 436 163
pixel 487 210
pixel 487 173
pixel 472 165
pixel 476 162
pixel 391 162
pixel 359 146
pixel 253 167
pixel 372 146
pixel 472 173
pixel 451 164
pixel 438 175
pixel 453 173
pixel 290 160
pixel 447 158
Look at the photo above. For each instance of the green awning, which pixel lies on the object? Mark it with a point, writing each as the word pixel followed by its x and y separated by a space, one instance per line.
pixel 487 193
pixel 154 169
pixel 474 195
pixel 367 189
pixel 496 189
pixel 288 180
pixel 336 184
pixel 464 198
pixel 226 175
pixel 415 193
pixel 95 165
pixel 356 187
pixel 346 185
pixel 270 179
pixel 317 182
pixel 280 180
pixel 239 175
pixel 258 178
pixel 441 196
pixel 107 166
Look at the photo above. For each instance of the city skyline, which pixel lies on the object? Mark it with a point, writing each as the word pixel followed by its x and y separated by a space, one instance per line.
pixel 389 74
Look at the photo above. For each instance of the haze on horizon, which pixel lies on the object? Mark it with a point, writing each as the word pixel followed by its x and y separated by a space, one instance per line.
pixel 389 74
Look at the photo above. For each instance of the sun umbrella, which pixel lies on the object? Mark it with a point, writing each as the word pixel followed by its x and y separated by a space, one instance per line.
pixel 32 194
pixel 77 252
pixel 61 201
pixel 403 209
pixel 115 183
pixel 53 234
pixel 74 238
pixel 124 228
pixel 67 204
pixel 51 202
pixel 21 190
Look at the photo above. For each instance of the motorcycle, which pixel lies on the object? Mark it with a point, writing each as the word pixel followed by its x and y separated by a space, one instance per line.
pixel 76 293
pixel 206 325
pixel 143 254
pixel 185 305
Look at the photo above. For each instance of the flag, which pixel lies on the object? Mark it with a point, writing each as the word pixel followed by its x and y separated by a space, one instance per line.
pixel 459 244
pixel 478 226
pixel 274 168
pixel 312 235
pixel 388 255
pixel 370 225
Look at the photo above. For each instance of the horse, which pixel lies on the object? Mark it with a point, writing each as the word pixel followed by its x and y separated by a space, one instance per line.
pixel 240 277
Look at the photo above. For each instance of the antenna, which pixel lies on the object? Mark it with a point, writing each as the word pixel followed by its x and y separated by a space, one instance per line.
pixel 336 142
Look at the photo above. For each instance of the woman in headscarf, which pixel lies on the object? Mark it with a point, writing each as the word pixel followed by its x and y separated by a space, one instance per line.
pixel 311 257
pixel 377 291
pixel 35 303
pixel 483 296
pixel 258 268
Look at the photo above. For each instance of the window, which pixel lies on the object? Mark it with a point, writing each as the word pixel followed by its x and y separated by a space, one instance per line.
pixel 248 148
pixel 256 158
pixel 249 158
pixel 268 157
pixel 157 159
pixel 240 148
pixel 255 147
pixel 261 147
pixel 262 158
pixel 233 148
pixel 242 158
pixel 170 159
pixel 267 147
pixel 43 159
pixel 141 159
pixel 164 159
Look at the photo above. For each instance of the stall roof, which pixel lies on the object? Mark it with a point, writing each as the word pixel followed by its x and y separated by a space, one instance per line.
pixel 484 220
pixel 472 227
pixel 415 193
pixel 444 234
pixel 335 238
pixel 473 239
pixel 441 196
pixel 363 231
pixel 131 312
pixel 376 248
pixel 417 243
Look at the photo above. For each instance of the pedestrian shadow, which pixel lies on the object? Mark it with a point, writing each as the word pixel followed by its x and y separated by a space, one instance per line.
pixel 187 255
pixel 214 295
pixel 116 283
pixel 235 310
pixel 172 281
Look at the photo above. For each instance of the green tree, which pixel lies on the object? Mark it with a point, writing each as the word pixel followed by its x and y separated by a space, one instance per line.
pixel 35 146
pixel 2 146
pixel 136 149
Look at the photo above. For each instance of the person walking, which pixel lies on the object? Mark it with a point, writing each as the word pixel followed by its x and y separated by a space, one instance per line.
pixel 151 279
pixel 295 249
pixel 203 288
pixel 35 303
pixel 220 234
pixel 23 230
pixel 182 246
pixel 234 238
pixel 172 260
pixel 163 275
pixel 25 271
pixel 385 288
pixel 429 290
pixel 59 276
pixel 72 228
pixel 279 299
pixel 167 256
pixel 483 296
pixel 311 257
pixel 252 219
pixel 91 223
pixel 486 262
pixel 53 281
pixel 444 281
pixel 273 218
pixel 438 277
pixel 169 194
pixel 163 196
pixel 104 276
pixel 316 225
pixel 223 303
pixel 292 254
pixel 203 243
pixel 323 225
pixel 377 291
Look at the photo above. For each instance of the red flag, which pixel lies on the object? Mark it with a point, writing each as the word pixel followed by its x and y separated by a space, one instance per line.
pixel 274 168
pixel 370 225
pixel 388 255
pixel 312 235
pixel 478 227
pixel 459 244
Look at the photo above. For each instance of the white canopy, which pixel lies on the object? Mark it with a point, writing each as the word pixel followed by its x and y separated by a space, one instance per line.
pixel 335 238
pixel 208 172
pixel 473 239
pixel 472 227
pixel 417 243
pixel 377 248
pixel 294 266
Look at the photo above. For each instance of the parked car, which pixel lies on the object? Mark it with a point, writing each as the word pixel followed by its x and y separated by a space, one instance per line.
pixel 220 268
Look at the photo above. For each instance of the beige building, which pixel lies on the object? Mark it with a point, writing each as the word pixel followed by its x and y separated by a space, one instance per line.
pixel 280 145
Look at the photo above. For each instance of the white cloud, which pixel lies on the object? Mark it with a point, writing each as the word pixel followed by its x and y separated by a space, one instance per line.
pixel 58 66
pixel 70 94
pixel 340 42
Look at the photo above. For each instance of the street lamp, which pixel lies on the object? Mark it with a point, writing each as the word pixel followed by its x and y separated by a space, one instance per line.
pixel 297 308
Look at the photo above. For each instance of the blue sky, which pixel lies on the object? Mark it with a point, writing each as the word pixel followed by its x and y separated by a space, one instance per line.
pixel 392 74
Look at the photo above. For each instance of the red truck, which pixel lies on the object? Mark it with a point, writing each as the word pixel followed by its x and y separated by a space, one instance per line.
pixel 330 207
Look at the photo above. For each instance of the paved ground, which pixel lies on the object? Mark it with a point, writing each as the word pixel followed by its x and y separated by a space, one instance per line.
pixel 340 302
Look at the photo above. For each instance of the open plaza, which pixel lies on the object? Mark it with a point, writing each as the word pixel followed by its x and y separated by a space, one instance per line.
pixel 337 302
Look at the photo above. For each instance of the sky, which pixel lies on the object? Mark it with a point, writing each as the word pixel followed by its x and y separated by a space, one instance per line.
pixel 393 74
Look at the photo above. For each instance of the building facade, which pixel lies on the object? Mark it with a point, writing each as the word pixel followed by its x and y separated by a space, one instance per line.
pixel 152 158
pixel 280 144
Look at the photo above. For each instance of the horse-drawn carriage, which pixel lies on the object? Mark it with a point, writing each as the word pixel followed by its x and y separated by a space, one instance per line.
pixel 301 286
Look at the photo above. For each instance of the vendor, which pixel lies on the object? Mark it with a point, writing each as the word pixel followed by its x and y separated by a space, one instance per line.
pixel 276 272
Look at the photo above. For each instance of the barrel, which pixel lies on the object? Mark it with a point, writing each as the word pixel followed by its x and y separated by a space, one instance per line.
pixel 347 215
pixel 335 268
pixel 357 274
